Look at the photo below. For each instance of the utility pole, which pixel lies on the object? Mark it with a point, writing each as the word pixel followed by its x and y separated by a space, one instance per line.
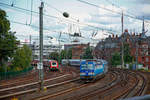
pixel 41 46
pixel 59 60
pixel 122 56
pixel 137 46
pixel 59 42
pixel 30 39
pixel 34 50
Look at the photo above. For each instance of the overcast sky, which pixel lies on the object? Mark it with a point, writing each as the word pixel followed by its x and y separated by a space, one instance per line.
pixel 86 14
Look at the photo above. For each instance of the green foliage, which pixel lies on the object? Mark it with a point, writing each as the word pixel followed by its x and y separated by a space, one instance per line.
pixel 116 59
pixel 87 53
pixel 54 56
pixel 69 53
pixel 127 56
pixel 7 39
pixel 64 54
pixel 22 58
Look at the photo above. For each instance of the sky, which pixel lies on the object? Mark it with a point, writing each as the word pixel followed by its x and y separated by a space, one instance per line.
pixel 88 15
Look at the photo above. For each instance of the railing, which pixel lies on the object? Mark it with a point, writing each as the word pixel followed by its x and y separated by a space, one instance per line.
pixel 10 74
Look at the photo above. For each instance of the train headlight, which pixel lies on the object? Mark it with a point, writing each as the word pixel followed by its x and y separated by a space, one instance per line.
pixel 91 73
pixel 82 73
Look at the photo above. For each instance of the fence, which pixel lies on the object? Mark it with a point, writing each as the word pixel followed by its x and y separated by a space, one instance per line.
pixel 7 75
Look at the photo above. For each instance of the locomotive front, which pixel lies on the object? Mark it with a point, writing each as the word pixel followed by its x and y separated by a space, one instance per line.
pixel 87 70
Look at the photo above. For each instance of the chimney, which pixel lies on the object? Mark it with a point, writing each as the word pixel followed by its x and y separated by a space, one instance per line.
pixel 109 36
pixel 117 36
pixel 112 35
pixel 126 30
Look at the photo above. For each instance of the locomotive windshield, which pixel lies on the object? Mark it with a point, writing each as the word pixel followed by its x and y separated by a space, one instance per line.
pixel 83 66
pixel 86 66
pixel 54 63
pixel 90 66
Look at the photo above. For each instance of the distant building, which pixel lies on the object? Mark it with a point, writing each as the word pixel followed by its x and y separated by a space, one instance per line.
pixel 139 47
pixel 77 49
pixel 47 49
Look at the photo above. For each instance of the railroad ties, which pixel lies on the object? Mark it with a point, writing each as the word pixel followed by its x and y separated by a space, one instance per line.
pixel 117 84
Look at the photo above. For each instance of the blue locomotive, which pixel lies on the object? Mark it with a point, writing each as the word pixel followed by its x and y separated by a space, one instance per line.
pixel 93 69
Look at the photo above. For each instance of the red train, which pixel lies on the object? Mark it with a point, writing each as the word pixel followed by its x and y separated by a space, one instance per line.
pixel 50 64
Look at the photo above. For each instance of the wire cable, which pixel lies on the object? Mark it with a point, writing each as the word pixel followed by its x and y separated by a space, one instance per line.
pixel 47 29
pixel 53 7
pixel 50 16
pixel 127 15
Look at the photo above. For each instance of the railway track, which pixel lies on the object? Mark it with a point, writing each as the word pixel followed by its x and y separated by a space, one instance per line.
pixel 133 85
pixel 118 88
pixel 98 90
pixel 26 79
pixel 117 84
pixel 30 87
pixel 138 88
pixel 63 92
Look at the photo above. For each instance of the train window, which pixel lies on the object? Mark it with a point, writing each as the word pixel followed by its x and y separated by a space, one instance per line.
pixel 99 62
pixel 83 66
pixel 54 63
pixel 90 66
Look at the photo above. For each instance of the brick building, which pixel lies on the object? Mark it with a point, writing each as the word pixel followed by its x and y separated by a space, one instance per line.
pixel 77 49
pixel 139 47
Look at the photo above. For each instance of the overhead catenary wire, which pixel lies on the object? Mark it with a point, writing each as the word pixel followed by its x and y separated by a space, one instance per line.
pixel 55 17
pixel 53 7
pixel 113 4
pixel 127 15
pixel 48 29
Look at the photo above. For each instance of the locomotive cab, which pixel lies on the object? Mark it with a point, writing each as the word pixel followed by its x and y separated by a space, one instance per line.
pixel 91 70
pixel 87 70
pixel 53 65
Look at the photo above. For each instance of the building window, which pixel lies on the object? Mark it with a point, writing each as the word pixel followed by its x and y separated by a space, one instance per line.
pixel 147 59
pixel 142 58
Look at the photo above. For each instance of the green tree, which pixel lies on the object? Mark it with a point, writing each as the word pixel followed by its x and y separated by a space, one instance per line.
pixel 7 40
pixel 87 53
pixel 22 58
pixel 69 53
pixel 116 59
pixel 66 54
pixel 127 55
pixel 63 54
pixel 54 56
